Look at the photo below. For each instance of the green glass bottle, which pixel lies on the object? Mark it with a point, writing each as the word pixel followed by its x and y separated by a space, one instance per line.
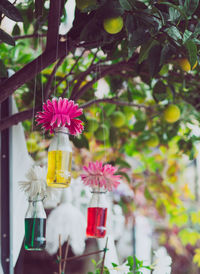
pixel 35 225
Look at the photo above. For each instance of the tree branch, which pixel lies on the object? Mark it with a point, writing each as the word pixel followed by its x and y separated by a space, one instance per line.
pixel 27 114
pixel 108 70
pixel 66 254
pixel 31 69
pixel 67 75
pixel 27 36
pixel 16 118
pixel 84 255
pixel 83 75
pixel 104 256
pixel 53 24
pixel 51 77
pixel 112 101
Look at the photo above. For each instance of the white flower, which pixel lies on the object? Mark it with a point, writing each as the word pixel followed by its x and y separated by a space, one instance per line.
pixel 121 269
pixel 163 262
pixel 36 183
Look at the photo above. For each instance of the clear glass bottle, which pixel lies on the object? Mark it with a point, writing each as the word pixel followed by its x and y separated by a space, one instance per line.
pixel 97 214
pixel 59 159
pixel 35 225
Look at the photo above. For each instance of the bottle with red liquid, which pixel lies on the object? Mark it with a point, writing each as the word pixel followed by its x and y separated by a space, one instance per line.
pixel 97 214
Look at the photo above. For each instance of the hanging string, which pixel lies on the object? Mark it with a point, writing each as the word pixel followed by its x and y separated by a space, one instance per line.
pixel 98 73
pixel 67 82
pixel 96 68
pixel 103 117
pixel 42 85
pixel 94 93
pixel 57 42
pixel 34 95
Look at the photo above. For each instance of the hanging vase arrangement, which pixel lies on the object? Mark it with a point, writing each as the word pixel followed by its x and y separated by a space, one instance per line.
pixel 59 117
pixel 35 219
pixel 35 224
pixel 101 178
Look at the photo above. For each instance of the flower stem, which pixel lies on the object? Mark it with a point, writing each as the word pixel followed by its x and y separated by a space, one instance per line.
pixel 104 255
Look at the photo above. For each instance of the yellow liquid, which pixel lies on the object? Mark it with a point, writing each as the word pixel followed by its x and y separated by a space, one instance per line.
pixel 59 168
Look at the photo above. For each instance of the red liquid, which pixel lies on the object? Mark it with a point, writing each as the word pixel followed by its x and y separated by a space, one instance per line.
pixel 96 222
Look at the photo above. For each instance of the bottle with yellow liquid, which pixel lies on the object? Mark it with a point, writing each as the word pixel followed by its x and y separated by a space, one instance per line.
pixel 59 159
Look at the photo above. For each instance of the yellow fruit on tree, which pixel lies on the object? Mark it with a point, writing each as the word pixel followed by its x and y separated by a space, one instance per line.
pixel 32 145
pixel 185 65
pixel 118 119
pixel 128 111
pixel 102 133
pixel 92 125
pixel 113 25
pixel 153 141
pixel 172 113
pixel 84 4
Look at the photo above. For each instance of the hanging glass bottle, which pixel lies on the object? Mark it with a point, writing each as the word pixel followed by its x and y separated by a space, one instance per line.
pixel 97 214
pixel 59 159
pixel 35 225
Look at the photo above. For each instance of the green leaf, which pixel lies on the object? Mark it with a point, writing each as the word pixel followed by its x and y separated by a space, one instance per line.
pixel 166 53
pixel 109 109
pixel 122 163
pixel 160 91
pixel 147 194
pixel 125 4
pixel 145 50
pixel 178 8
pixel 174 33
pixel 154 60
pixel 91 31
pixel 124 175
pixel 130 262
pixel 6 38
pixel 138 37
pixel 114 265
pixel 139 126
pixel 113 136
pixel 189 236
pixel 130 24
pixel 94 262
pixel 80 142
pixel 187 35
pixel 10 11
pixel 190 6
pixel 138 5
pixel 137 263
pixel 174 14
pixel 192 52
pixel 3 70
pixel 147 267
pixel 196 30
pixel 16 30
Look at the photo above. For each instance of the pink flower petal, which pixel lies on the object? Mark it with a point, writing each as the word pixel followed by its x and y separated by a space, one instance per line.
pixel 60 112
pixel 97 174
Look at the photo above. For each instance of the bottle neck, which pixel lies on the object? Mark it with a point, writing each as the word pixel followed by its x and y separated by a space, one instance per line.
pixel 98 198
pixel 35 203
pixel 60 140
pixel 60 130
pixel 36 208
pixel 98 190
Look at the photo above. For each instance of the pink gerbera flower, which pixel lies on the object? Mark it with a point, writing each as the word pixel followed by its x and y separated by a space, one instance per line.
pixel 60 113
pixel 97 174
